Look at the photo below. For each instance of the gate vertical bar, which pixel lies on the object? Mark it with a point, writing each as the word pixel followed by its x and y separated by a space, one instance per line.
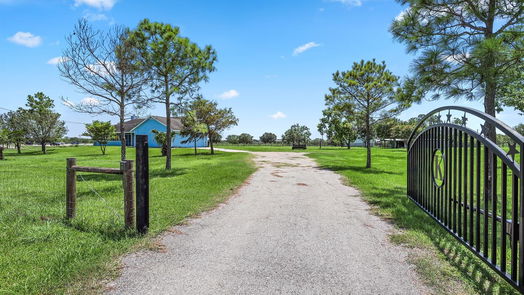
pixel 514 225
pixel 454 173
pixel 441 188
pixel 465 189
pixel 471 191
pixel 142 184
pixel 486 202
pixel 504 196
pixel 459 184
pixel 521 225
pixel 494 209
pixel 477 190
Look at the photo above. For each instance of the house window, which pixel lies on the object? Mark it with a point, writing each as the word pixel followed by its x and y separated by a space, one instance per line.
pixel 129 139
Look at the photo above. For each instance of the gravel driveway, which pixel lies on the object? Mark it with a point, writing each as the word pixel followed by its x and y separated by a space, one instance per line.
pixel 293 228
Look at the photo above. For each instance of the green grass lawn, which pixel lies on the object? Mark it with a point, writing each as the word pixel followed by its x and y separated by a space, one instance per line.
pixel 44 254
pixel 442 261
pixel 274 148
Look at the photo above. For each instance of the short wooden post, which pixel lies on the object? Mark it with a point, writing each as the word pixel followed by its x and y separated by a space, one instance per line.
pixel 142 184
pixel 71 188
pixel 129 192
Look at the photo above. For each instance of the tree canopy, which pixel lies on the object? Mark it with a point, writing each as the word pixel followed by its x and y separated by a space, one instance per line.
pixel 214 118
pixel 174 65
pixel 193 129
pixel 101 132
pixel 245 138
pixel 297 135
pixel 104 66
pixel 367 93
pixel 466 49
pixel 268 137
pixel 42 124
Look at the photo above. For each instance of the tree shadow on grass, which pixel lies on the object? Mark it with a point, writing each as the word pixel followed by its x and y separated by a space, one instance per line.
pixel 359 169
pixel 29 153
pixel 162 173
pixel 114 233
pixel 407 215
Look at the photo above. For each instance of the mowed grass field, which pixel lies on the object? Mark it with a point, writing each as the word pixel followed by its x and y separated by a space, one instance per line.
pixel 42 253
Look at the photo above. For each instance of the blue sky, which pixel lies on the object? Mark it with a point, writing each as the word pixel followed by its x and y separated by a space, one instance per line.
pixel 275 58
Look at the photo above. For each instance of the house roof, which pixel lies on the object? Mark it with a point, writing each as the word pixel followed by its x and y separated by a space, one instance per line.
pixel 176 123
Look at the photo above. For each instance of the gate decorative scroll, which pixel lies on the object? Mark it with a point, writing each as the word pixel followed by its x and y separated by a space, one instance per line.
pixel 471 186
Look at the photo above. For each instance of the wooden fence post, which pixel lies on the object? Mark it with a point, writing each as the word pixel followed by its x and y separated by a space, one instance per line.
pixel 142 184
pixel 71 189
pixel 129 193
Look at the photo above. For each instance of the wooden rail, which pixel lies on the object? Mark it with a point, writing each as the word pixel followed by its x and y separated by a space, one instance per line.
pixel 126 170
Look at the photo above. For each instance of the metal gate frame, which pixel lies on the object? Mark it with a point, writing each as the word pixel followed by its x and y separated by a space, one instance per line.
pixel 465 196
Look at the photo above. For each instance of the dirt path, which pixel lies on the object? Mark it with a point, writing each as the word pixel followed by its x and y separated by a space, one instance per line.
pixel 292 229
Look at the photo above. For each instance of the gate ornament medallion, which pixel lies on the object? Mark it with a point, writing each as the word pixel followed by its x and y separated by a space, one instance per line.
pixel 438 168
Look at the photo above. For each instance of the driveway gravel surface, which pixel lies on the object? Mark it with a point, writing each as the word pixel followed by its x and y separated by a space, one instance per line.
pixel 292 228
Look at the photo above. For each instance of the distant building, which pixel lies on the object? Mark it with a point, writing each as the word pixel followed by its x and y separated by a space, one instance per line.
pixel 145 126
pixel 359 142
pixel 396 143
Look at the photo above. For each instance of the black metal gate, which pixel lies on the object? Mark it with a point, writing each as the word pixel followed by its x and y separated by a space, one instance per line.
pixel 471 186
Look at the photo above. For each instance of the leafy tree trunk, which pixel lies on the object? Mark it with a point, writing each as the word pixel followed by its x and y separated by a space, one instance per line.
pixel 195 141
pixel 209 136
pixel 43 146
pixel 103 149
pixel 168 125
pixel 122 136
pixel 210 139
pixel 491 91
pixel 349 145
pixel 18 148
pixel 368 141
pixel 322 138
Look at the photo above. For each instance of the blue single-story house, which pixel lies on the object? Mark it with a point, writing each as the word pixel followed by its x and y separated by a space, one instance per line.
pixel 145 126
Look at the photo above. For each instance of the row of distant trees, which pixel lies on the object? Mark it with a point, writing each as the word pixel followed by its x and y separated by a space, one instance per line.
pixel 127 70
pixel 37 123
pixel 246 138
pixel 296 134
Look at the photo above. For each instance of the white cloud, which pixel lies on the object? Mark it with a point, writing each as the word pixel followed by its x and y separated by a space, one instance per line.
pixel 278 115
pixel 56 60
pixel 102 69
pixel 89 101
pixel 100 4
pixel 401 15
pixel 95 17
pixel 229 94
pixel 348 2
pixel 26 39
pixel 305 47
